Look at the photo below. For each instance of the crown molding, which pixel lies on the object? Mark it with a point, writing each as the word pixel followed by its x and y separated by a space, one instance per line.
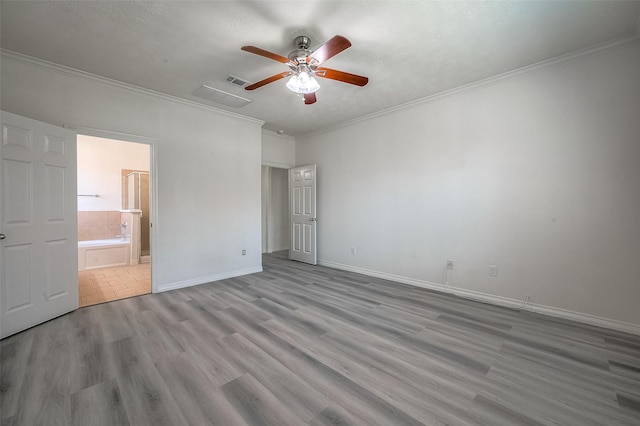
pixel 480 83
pixel 8 54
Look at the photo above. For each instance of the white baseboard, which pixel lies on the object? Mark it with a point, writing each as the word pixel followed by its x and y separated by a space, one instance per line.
pixel 211 278
pixel 584 318
pixel 494 299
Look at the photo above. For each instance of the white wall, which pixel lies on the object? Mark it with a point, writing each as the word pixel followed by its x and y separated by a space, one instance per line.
pixel 208 165
pixel 278 150
pixel 538 174
pixel 100 164
pixel 278 154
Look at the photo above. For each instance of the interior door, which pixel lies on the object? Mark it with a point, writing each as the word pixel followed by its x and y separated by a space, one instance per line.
pixel 302 190
pixel 38 223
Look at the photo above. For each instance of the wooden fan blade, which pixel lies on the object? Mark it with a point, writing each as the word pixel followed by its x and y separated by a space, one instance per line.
pixel 266 54
pixel 268 80
pixel 345 77
pixel 330 49
pixel 309 98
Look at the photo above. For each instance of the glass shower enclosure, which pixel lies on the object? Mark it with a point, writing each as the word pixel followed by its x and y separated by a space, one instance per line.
pixel 135 195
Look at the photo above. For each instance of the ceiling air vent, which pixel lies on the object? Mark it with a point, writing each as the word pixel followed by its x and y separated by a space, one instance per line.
pixel 220 97
pixel 237 81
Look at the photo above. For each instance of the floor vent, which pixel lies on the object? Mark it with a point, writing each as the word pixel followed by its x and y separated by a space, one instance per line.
pixel 237 81
pixel 220 97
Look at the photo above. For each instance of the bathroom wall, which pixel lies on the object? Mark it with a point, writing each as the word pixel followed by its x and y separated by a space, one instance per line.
pixel 99 225
pixel 100 164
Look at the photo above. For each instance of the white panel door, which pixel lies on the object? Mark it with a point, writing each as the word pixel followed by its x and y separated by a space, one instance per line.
pixel 38 223
pixel 302 190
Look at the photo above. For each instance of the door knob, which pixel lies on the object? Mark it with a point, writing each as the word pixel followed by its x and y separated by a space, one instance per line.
pixel 2 236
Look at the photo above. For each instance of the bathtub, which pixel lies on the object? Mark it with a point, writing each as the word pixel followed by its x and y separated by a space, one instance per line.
pixel 102 254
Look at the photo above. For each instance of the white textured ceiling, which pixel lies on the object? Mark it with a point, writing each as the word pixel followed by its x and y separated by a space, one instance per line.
pixel 408 49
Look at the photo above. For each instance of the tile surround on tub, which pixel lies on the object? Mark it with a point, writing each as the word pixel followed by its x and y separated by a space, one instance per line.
pixel 98 225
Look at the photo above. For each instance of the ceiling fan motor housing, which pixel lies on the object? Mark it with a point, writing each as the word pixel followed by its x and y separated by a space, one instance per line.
pixel 302 52
pixel 302 42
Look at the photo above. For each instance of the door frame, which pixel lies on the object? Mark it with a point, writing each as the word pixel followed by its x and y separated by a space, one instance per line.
pixel 153 182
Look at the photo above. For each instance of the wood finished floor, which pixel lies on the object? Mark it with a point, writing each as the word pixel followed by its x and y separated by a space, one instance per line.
pixel 298 344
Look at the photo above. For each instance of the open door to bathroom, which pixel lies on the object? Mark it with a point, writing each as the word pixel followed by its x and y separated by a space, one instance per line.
pixel 119 171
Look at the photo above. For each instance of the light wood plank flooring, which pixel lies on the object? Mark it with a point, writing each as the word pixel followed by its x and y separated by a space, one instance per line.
pixel 298 344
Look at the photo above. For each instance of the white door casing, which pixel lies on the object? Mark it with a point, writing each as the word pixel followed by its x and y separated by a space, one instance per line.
pixel 38 219
pixel 302 193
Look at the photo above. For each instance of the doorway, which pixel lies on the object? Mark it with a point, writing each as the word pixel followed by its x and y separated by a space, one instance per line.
pixel 114 211
pixel 275 210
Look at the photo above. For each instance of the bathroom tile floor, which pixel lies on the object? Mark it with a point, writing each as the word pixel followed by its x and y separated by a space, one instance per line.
pixel 107 284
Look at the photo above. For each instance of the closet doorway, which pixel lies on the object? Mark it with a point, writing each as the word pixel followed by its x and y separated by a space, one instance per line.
pixel 275 210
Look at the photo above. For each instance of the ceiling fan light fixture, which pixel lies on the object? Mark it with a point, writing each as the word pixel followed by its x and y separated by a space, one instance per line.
pixel 303 83
pixel 304 67
pixel 293 84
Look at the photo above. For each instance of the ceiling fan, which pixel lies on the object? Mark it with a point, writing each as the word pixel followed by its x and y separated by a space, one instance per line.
pixel 304 65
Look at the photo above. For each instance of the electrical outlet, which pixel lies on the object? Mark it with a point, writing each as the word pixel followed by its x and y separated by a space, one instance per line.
pixel 244 252
pixel 450 264
pixel 493 271
pixel 353 250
